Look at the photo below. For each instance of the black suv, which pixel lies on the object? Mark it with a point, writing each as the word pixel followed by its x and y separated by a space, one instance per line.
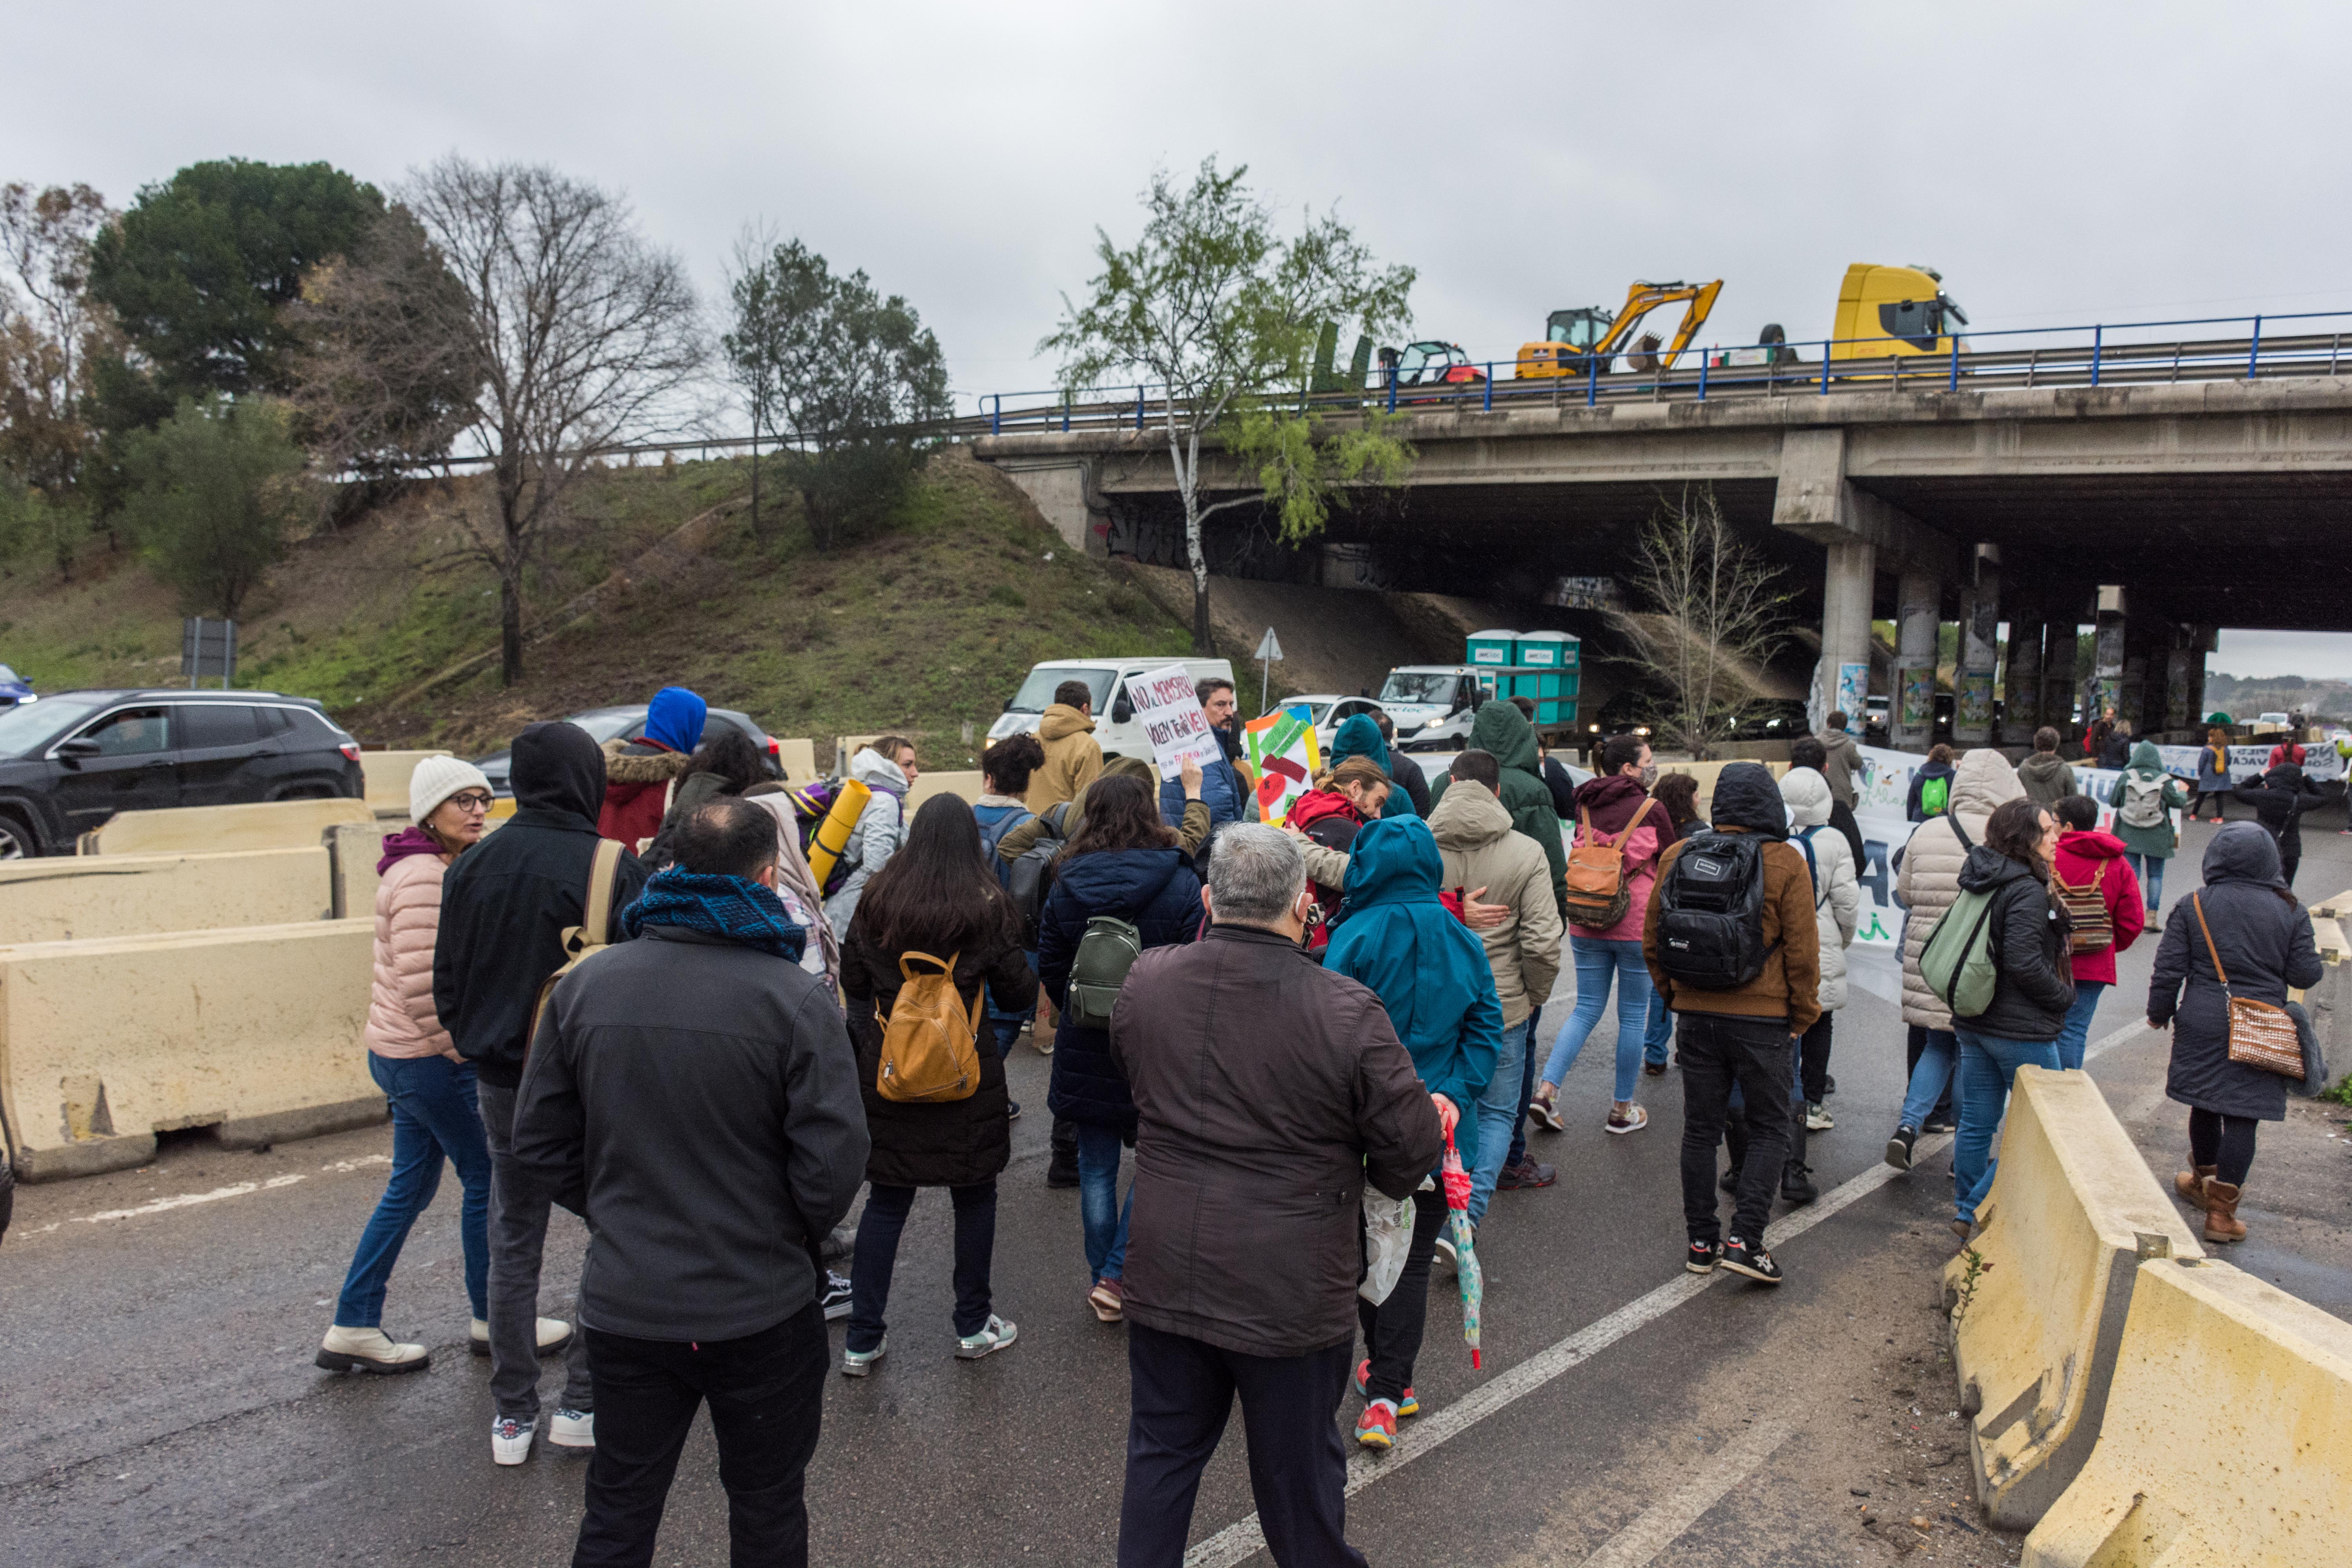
pixel 69 762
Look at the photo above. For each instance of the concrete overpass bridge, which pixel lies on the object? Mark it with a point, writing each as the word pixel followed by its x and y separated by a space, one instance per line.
pixel 2158 503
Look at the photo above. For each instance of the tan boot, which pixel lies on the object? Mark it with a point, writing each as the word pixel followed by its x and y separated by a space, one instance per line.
pixel 2221 1224
pixel 2190 1186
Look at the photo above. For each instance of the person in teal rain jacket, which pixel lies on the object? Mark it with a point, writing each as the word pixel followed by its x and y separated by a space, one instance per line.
pixel 1358 735
pixel 2145 790
pixel 1431 973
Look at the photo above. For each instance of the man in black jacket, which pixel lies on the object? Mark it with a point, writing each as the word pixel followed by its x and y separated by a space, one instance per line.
pixel 696 1094
pixel 505 906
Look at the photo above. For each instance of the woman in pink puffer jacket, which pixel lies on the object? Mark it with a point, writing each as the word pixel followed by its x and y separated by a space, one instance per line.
pixel 430 1086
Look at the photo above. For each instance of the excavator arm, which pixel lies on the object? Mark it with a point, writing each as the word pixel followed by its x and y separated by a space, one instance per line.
pixel 1698 300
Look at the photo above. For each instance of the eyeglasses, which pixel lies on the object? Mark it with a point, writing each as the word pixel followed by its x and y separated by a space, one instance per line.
pixel 472 800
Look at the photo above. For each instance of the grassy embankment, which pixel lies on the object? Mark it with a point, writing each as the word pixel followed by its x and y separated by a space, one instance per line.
pixel 925 627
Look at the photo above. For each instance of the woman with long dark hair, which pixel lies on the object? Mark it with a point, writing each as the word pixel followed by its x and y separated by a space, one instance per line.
pixel 2033 987
pixel 938 896
pixel 1124 863
pixel 727 763
pixel 2243 935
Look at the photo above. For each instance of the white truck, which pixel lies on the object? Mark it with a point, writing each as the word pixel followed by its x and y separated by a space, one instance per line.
pixel 1432 704
pixel 1115 727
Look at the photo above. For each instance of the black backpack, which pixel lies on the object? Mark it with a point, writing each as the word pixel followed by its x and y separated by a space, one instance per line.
pixel 1031 876
pixel 1711 912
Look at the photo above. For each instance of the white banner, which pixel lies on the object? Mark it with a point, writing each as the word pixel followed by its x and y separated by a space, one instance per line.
pixel 1170 714
pixel 2320 760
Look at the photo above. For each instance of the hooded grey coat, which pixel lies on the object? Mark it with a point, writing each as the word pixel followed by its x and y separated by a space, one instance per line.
pixel 2265 942
pixel 1930 877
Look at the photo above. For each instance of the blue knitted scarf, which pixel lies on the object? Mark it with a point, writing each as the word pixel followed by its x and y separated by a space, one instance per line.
pixel 730 907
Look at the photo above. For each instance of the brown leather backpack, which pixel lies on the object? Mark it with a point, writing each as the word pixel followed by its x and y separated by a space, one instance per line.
pixel 930 1039
pixel 1598 890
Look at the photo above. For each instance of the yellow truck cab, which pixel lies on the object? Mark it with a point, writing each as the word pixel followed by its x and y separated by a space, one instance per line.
pixel 1883 310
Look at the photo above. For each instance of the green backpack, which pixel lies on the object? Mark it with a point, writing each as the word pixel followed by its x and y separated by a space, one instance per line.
pixel 1957 962
pixel 1935 794
pixel 1099 969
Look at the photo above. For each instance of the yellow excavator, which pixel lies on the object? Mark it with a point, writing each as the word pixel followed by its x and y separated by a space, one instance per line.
pixel 1576 342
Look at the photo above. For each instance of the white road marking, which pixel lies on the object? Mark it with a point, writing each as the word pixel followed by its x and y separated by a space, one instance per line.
pixel 2104 1041
pixel 1239 1541
pixel 362 1162
pixel 1661 1524
pixel 188 1200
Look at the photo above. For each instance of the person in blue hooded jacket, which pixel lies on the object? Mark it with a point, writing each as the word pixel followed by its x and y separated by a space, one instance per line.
pixel 1430 971
pixel 1358 735
pixel 1125 863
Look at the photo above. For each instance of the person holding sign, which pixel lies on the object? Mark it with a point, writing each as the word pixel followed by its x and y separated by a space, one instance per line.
pixel 1222 788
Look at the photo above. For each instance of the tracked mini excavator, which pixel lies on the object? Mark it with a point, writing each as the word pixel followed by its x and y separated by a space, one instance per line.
pixel 1580 342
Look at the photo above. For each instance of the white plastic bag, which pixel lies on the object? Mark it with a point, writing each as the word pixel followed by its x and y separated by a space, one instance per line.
pixel 1387 1236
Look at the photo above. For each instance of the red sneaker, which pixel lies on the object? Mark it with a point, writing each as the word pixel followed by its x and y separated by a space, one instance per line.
pixel 1376 1427
pixel 1407 1406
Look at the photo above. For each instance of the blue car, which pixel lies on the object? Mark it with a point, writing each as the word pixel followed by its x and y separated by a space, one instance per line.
pixel 15 689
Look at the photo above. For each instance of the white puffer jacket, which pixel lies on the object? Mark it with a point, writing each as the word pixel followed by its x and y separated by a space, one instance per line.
pixel 401 1020
pixel 881 828
pixel 1837 890
pixel 1929 880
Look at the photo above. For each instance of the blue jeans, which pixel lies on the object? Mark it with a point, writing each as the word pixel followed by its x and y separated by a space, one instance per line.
pixel 433 1117
pixel 1928 1078
pixel 1988 1064
pixel 1527 1093
pixel 2072 1038
pixel 2150 870
pixel 1597 964
pixel 1099 1210
pixel 1661 1031
pixel 1496 1109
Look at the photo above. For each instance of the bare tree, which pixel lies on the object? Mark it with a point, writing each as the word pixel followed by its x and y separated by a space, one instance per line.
pixel 1717 615
pixel 585 336
pixel 52 335
pixel 387 372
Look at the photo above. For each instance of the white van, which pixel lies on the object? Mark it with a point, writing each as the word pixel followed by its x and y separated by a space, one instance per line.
pixel 1116 730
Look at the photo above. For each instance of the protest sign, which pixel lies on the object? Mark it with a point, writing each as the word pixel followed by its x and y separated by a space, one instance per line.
pixel 1282 750
pixel 1169 712
pixel 2320 760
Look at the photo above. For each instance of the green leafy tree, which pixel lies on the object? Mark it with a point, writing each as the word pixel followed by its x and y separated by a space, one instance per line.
pixel 215 492
pixel 1220 313
pixel 200 270
pixel 846 378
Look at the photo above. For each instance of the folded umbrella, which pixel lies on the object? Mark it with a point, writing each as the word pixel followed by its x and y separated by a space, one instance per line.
pixel 1466 1273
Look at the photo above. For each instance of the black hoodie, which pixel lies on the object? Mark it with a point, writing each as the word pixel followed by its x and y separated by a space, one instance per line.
pixel 2280 797
pixel 2034 977
pixel 506 901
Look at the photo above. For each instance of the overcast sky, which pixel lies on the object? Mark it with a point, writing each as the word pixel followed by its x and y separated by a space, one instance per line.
pixel 2110 164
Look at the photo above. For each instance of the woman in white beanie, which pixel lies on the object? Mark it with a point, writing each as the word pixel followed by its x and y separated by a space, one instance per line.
pixel 434 1113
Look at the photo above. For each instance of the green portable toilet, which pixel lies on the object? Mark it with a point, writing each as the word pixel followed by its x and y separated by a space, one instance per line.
pixel 1547 650
pixel 1543 685
pixel 1493 647
pixel 1560 711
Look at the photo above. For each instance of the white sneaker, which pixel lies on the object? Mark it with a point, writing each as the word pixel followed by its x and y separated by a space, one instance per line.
pixel 554 1334
pixel 1817 1116
pixel 573 1429
pixel 368 1350
pixel 510 1439
pixel 857 1364
pixel 993 1336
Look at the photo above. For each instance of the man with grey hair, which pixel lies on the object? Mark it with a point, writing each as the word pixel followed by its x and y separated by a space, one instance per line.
pixel 1255 1071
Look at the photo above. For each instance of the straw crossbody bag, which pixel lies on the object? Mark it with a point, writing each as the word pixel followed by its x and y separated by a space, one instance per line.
pixel 2261 1035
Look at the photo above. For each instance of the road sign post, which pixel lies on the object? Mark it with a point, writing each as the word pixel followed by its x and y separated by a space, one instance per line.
pixel 208 648
pixel 1269 650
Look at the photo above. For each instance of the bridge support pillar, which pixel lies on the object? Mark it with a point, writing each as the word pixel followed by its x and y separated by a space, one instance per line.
pixel 1980 651
pixel 2187 697
pixel 1911 720
pixel 2106 691
pixel 1063 489
pixel 1841 678
pixel 2061 677
pixel 2022 693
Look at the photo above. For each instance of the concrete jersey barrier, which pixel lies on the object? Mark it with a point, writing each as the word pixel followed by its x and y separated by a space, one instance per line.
pixel 187 829
pixel 2036 1326
pixel 387 775
pixel 2227 1438
pixel 255 1030
pixel 87 897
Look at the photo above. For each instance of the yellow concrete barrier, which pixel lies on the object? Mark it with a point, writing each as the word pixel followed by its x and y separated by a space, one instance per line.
pixel 2228 1434
pixel 2039 1299
pixel 352 851
pixel 199 829
pixel 799 757
pixel 81 898
pixel 927 784
pixel 256 1030
pixel 387 775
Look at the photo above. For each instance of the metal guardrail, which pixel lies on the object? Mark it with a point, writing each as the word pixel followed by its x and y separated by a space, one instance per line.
pixel 2121 354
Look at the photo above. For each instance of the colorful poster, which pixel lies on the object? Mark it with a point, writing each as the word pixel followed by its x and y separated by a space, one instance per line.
pixel 1915 687
pixel 1282 753
pixel 1853 691
pixel 1972 708
pixel 1170 711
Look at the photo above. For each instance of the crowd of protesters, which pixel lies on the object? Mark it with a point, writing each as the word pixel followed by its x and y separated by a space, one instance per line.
pixel 638 1001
